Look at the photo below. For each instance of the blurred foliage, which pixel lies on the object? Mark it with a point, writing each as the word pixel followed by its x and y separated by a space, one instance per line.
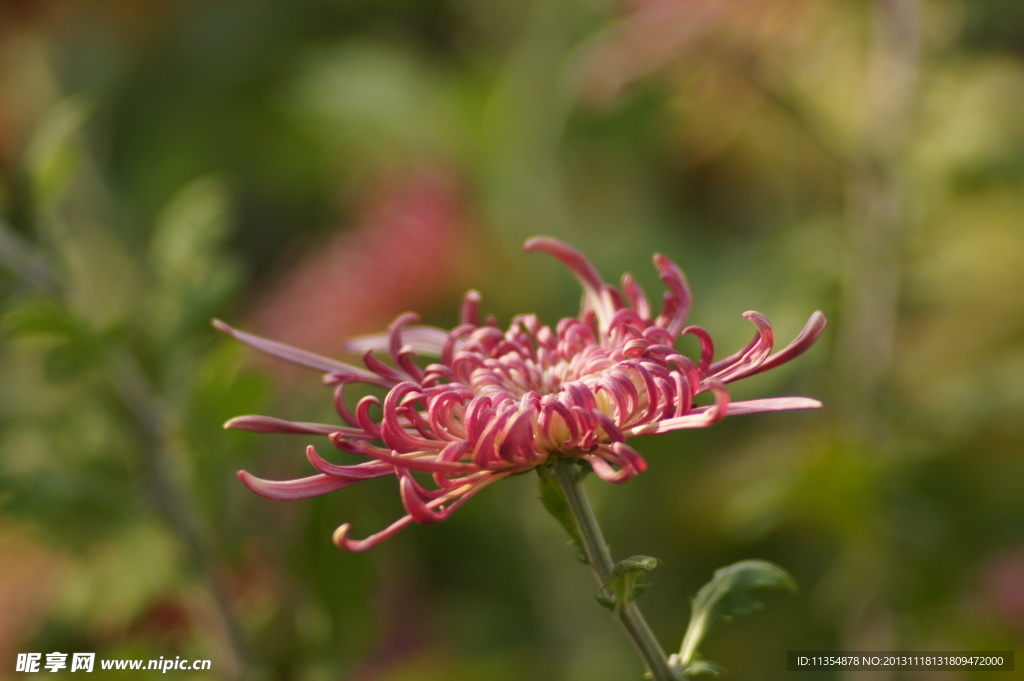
pixel 165 162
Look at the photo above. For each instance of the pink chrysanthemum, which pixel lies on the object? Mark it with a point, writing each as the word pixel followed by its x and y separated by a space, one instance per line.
pixel 499 402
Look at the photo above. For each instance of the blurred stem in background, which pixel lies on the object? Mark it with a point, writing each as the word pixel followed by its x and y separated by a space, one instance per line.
pixel 878 214
pixel 109 351
pixel 22 260
pixel 877 226
pixel 155 430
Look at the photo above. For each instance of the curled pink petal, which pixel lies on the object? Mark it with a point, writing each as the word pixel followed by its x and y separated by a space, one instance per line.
pixel 636 296
pixel 807 337
pixel 288 490
pixel 698 418
pixel 423 340
pixel 607 472
pixel 342 541
pixel 707 346
pixel 269 424
pixel 679 301
pixel 747 363
pixel 578 264
pixel 471 309
pixel 770 404
pixel 416 502
pixel 354 473
pixel 426 462
pixel 571 258
pixel 752 356
pixel 304 358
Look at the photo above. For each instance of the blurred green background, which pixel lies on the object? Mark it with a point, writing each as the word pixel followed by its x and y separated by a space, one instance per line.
pixel 310 169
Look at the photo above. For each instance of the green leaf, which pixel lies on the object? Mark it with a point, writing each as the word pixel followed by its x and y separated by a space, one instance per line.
pixel 633 564
pixel 54 151
pixel 702 667
pixel 624 579
pixel 67 362
pixel 639 589
pixel 555 504
pixel 190 228
pixel 725 597
pixel 40 315
pixel 191 275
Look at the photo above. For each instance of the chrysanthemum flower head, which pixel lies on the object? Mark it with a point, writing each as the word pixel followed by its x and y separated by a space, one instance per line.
pixel 496 402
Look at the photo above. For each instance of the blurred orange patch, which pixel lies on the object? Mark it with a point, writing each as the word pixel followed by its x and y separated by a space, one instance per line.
pixel 28 575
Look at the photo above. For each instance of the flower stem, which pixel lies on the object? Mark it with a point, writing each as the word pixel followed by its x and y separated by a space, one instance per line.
pixel 570 483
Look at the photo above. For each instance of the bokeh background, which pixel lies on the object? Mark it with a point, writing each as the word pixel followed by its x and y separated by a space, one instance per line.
pixel 309 169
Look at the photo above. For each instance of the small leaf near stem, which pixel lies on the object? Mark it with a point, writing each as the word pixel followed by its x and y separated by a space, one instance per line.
pixel 625 580
pixel 721 599
pixel 698 667
pixel 554 503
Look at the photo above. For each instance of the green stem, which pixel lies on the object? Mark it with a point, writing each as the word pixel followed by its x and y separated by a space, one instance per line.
pixel 571 484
